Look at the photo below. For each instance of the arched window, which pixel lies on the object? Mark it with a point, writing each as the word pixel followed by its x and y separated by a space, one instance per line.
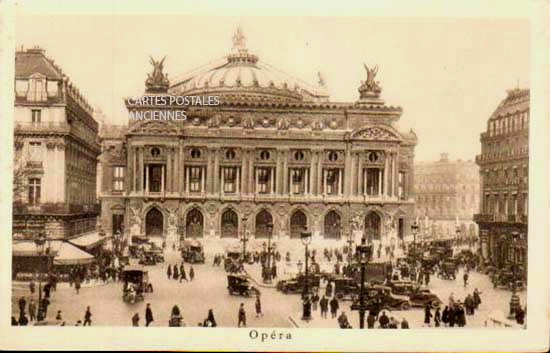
pixel 298 222
pixel 263 219
pixel 373 225
pixel 194 224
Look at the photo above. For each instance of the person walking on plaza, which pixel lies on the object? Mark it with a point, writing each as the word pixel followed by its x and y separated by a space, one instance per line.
pixel 314 301
pixel 343 321
pixel 58 316
pixel 469 305
pixel 22 305
pixel 477 298
pixel 323 303
pixel 437 317
pixel 32 285
pixel 175 272
pixel 445 316
pixel 43 309
pixel 371 319
pixel 328 290
pixel 393 322
pixel 47 288
pixel 87 317
pixel 169 271
pixel 258 307
pixel 427 315
pixel 383 320
pixel 404 324
pixel 135 320
pixel 148 315
pixel 32 310
pixel 210 320
pixel 23 321
pixel 465 277
pixel 427 278
pixel 451 300
pixel 77 285
pixel 242 316
pixel 191 273
pixel 334 306
pixel 183 275
pixel 460 316
pixel 520 315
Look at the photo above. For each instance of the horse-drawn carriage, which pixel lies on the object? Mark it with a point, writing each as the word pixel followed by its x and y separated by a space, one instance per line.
pixel 233 261
pixel 192 251
pixel 135 284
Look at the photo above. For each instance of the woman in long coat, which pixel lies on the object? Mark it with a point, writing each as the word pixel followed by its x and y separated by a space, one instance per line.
pixel 427 315
pixel 169 272
pixel 175 273
pixel 445 316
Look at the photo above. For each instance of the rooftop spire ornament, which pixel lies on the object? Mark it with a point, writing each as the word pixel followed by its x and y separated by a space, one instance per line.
pixel 239 40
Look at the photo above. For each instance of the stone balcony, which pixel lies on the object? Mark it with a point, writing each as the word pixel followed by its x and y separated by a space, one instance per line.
pixel 42 127
pixel 500 218
pixel 54 208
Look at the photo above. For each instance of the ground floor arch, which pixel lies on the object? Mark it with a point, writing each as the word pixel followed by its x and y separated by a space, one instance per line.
pixel 229 224
pixel 333 225
pixel 298 222
pixel 373 226
pixel 154 223
pixel 263 219
pixel 194 224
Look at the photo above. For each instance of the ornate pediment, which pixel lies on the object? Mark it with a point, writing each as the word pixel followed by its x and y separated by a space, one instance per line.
pixel 153 127
pixel 376 133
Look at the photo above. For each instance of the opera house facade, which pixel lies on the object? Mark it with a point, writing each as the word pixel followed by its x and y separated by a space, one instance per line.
pixel 276 151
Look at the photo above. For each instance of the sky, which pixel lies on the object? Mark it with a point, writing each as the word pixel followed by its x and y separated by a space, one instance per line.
pixel 447 74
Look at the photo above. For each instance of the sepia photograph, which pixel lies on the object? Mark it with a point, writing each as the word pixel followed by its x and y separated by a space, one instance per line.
pixel 270 172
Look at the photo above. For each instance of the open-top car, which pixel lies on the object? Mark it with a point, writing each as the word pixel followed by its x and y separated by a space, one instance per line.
pixel 239 284
pixel 192 251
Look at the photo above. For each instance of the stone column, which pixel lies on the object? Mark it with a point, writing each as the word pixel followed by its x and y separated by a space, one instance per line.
pixel 140 169
pixel 162 174
pixel 279 178
pixel 313 174
pixel 181 169
pixel 284 172
pixel 348 173
pixel 209 171
pixel 251 178
pixel 168 185
pixel 238 181
pixel 379 183
pixel 244 174
pixel 129 180
pixel 385 184
pixel 216 173
pixel 360 178
pixel 147 178
pixel 320 173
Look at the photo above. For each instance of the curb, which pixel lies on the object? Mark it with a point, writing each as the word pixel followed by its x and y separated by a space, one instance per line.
pixel 293 322
pixel 25 285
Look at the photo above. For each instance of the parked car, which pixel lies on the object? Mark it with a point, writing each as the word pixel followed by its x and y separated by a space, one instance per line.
pixel 297 284
pixel 240 285
pixel 381 298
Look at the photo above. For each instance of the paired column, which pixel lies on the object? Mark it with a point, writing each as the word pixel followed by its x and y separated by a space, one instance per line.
pixel 168 185
pixel 141 173
pixel 216 173
pixel 244 167
pixel 251 178
pixel 284 172
pixel 313 174
pixel 320 173
pixel 360 177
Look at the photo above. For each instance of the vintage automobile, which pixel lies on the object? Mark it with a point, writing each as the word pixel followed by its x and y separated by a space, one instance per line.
pixel 297 284
pixel 192 251
pixel 418 295
pixel 232 263
pixel 135 283
pixel 345 288
pixel 240 285
pixel 447 270
pixel 147 259
pixel 381 298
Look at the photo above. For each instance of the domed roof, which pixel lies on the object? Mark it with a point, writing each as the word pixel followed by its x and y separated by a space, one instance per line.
pixel 242 76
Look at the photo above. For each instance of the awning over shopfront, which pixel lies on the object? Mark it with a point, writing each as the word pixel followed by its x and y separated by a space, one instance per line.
pixel 68 254
pixel 63 252
pixel 89 240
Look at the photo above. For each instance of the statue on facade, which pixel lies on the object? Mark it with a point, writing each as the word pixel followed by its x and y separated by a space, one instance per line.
pixel 371 74
pixel 248 122
pixel 214 121
pixel 322 82
pixel 157 81
pixel 135 228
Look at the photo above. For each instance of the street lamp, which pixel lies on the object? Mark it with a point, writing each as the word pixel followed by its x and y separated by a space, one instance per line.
pixel 364 254
pixel 305 236
pixel 244 238
pixel 514 299
pixel 350 246
pixel 267 278
pixel 40 242
pixel 414 230
pixel 457 235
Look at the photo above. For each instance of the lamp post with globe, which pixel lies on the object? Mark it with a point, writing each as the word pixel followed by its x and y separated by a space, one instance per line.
pixel 305 237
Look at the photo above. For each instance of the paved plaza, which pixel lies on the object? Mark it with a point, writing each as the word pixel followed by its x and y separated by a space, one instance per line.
pixel 209 291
